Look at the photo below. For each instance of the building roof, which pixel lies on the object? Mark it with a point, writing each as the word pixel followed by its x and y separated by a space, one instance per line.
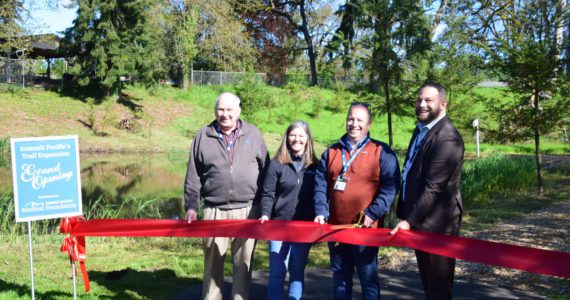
pixel 43 45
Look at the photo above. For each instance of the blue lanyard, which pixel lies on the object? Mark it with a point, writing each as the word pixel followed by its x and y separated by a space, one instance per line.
pixel 346 164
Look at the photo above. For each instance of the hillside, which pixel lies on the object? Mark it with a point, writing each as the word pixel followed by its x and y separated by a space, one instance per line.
pixel 138 123
pixel 165 119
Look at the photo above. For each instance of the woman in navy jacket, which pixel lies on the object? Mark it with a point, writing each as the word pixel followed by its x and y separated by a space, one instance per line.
pixel 287 194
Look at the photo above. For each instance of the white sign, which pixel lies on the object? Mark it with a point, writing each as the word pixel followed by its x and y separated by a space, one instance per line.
pixel 47 178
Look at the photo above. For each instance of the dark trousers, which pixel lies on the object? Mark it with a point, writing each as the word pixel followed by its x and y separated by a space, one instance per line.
pixel 437 272
pixel 344 259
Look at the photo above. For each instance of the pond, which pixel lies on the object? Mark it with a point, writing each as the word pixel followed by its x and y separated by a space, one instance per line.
pixel 125 185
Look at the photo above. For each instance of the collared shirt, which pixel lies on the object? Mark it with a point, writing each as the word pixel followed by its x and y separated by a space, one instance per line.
pixel 229 139
pixel 415 146
pixel 359 144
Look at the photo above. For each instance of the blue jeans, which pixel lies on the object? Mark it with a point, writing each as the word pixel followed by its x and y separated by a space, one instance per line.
pixel 344 258
pixel 283 256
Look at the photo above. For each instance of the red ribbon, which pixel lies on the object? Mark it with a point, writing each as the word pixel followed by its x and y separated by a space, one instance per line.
pixel 75 248
pixel 533 260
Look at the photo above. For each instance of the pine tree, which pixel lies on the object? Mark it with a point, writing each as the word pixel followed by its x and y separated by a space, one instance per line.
pixel 113 39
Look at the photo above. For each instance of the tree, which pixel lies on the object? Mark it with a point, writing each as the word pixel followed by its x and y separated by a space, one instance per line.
pixel 288 10
pixel 283 30
pixel 296 18
pixel 11 32
pixel 113 39
pixel 398 31
pixel 222 40
pixel 521 40
pixel 273 37
pixel 181 27
pixel 342 41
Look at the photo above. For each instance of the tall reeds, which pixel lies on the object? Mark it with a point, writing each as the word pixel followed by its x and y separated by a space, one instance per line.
pixel 495 174
pixel 130 207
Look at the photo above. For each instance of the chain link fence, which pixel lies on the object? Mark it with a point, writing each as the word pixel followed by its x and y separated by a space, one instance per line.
pixel 220 77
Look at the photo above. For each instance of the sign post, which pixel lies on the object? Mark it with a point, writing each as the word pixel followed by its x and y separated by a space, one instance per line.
pixel 47 181
pixel 475 125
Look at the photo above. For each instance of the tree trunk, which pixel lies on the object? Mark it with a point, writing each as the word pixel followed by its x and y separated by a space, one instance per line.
pixel 184 75
pixel 388 111
pixel 537 155
pixel 309 40
pixel 378 64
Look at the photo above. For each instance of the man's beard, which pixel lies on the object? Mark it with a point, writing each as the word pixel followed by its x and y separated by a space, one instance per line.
pixel 432 115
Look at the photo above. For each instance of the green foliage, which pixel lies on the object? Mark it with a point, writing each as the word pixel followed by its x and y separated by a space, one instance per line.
pixel 298 94
pixel 514 120
pixel 318 105
pixel 8 225
pixel 224 43
pixel 180 24
pixel 112 40
pixel 130 207
pixel 12 17
pixel 255 96
pixel 4 145
pixel 526 50
pixel 495 174
pixel 341 100
pixel 15 90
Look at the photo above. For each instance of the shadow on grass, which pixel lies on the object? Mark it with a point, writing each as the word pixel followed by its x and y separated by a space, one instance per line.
pixel 24 291
pixel 129 283
pixel 129 102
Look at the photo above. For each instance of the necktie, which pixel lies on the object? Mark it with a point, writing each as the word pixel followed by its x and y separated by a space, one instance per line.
pixel 423 130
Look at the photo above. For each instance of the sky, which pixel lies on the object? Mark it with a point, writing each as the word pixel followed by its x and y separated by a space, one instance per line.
pixel 56 20
pixel 52 20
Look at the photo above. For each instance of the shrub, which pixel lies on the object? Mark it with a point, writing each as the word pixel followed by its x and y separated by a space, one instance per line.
pixel 255 96
pixel 4 144
pixel 342 98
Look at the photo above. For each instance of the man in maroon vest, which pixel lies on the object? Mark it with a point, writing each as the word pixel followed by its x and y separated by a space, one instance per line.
pixel 357 180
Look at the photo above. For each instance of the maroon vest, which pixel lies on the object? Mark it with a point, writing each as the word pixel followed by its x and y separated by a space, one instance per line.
pixel 363 184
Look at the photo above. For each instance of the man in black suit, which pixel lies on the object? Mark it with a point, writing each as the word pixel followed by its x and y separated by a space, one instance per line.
pixel 430 199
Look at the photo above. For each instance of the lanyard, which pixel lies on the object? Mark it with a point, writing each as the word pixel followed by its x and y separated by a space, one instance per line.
pixel 346 164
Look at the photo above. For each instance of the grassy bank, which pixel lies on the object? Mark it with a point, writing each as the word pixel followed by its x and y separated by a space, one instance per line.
pixel 165 119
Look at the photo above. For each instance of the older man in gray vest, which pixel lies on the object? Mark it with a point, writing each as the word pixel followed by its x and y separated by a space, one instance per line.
pixel 226 161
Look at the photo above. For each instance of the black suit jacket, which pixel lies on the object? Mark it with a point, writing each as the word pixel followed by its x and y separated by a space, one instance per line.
pixel 433 200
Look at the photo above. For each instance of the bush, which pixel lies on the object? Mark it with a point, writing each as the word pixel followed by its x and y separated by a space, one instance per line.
pixel 4 144
pixel 255 96
pixel 342 98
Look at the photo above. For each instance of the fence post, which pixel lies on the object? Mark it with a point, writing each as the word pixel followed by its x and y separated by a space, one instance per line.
pixel 8 67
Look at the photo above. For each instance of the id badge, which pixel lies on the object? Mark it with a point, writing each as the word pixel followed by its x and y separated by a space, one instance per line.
pixel 341 183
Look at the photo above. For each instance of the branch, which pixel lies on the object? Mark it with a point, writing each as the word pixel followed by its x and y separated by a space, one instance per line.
pixel 438 16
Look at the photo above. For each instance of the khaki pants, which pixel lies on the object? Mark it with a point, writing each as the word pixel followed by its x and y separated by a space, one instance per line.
pixel 215 253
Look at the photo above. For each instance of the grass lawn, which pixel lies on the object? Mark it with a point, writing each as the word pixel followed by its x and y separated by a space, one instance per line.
pixel 165 120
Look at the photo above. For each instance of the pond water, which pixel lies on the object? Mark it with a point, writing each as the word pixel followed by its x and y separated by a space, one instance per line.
pixel 125 185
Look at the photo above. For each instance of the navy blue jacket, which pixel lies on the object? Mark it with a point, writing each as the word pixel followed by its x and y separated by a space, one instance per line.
pixel 390 174
pixel 286 194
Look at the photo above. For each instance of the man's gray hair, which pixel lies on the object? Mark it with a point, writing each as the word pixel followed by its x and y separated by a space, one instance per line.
pixel 229 96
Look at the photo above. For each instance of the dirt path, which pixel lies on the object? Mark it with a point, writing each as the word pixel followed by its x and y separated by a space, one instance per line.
pixel 547 228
